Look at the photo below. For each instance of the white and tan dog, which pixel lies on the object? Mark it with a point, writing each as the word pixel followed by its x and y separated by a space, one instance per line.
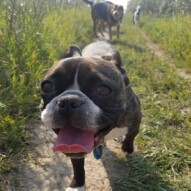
pixel 136 15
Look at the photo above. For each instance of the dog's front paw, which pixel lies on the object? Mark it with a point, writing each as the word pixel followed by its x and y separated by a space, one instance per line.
pixel 127 147
pixel 76 189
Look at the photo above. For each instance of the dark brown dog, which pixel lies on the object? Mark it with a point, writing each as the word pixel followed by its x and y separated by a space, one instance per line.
pixel 85 96
pixel 106 13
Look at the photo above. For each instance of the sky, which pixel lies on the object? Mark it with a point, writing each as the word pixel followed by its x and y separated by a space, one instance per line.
pixel 120 2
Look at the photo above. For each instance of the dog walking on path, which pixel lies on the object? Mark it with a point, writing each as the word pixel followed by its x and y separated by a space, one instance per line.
pixel 106 13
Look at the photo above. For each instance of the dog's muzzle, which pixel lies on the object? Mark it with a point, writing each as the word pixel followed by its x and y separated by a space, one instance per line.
pixel 74 118
pixel 67 103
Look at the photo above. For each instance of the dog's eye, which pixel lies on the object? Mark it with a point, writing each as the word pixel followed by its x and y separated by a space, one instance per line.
pixel 47 87
pixel 103 90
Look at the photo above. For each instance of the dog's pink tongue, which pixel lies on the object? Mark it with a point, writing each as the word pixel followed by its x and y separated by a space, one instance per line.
pixel 73 140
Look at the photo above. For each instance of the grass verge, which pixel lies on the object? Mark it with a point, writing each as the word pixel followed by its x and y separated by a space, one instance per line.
pixel 174 34
pixel 163 158
pixel 30 44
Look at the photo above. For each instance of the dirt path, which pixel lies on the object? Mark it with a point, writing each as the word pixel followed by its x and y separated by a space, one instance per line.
pixel 44 170
pixel 105 37
pixel 159 52
pixel 164 56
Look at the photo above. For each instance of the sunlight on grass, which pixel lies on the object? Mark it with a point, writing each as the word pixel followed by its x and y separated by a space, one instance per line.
pixel 30 44
pixel 174 34
pixel 163 158
pixel 164 140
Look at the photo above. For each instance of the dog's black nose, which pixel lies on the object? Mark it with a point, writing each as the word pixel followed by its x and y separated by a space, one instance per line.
pixel 70 102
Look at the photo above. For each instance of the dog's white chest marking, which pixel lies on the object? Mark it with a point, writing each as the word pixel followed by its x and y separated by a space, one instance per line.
pixel 76 189
pixel 115 133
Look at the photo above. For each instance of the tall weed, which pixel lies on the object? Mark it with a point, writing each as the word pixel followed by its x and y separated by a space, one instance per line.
pixel 65 27
pixel 32 36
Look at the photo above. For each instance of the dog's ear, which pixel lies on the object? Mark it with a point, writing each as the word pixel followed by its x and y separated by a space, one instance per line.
pixel 116 58
pixel 113 7
pixel 72 51
pixel 121 9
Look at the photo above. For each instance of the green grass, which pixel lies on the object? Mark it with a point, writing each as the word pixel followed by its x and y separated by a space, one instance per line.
pixel 174 35
pixel 61 29
pixel 27 50
pixel 164 155
pixel 163 159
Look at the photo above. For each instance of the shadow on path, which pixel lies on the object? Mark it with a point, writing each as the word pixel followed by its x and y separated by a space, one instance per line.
pixel 132 173
pixel 43 170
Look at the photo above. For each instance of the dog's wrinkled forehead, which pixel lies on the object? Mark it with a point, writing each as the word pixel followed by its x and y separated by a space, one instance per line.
pixel 100 66
pixel 67 71
pixel 62 73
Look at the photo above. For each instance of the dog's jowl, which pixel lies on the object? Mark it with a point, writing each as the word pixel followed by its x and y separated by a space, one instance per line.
pixel 84 96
